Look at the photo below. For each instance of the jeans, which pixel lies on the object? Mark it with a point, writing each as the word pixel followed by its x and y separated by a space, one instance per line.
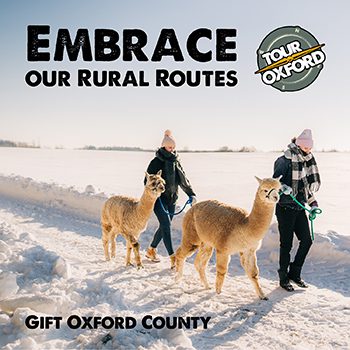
pixel 164 229
pixel 292 221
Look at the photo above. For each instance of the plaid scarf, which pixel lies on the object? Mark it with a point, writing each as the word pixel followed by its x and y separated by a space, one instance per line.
pixel 304 169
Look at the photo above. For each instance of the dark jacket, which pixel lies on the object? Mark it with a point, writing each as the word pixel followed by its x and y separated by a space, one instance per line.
pixel 172 173
pixel 283 166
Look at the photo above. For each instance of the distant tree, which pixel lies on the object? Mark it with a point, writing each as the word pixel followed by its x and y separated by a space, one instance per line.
pixel 6 143
pixel 224 149
pixel 89 147
pixel 247 149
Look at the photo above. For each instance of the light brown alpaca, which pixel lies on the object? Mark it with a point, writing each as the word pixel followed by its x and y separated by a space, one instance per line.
pixel 128 217
pixel 211 224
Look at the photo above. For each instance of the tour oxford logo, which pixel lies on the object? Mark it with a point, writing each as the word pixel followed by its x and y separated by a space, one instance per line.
pixel 290 59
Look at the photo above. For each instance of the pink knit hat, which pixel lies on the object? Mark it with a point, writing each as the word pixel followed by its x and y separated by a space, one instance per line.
pixel 305 139
pixel 168 140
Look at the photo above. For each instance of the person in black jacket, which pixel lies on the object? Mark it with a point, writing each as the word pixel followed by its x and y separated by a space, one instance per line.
pixel 167 160
pixel 299 176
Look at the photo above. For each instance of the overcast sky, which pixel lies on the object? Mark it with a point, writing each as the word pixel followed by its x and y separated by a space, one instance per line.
pixel 201 118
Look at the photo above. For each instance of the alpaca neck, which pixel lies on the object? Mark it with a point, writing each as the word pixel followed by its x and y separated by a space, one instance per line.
pixel 146 203
pixel 260 218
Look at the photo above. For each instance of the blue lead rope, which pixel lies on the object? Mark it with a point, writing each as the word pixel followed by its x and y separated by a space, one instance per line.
pixel 189 201
pixel 312 213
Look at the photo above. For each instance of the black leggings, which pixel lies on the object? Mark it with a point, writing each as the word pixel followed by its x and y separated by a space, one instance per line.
pixel 292 221
pixel 164 229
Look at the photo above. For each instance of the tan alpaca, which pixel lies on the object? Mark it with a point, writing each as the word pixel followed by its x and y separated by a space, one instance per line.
pixel 211 224
pixel 129 216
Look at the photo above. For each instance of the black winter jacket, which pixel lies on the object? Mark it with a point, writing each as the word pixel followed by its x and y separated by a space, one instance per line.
pixel 172 173
pixel 283 166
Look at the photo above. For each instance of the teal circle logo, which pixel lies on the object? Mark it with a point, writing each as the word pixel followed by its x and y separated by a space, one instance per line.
pixel 290 59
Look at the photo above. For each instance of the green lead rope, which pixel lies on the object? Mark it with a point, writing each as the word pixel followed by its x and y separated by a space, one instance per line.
pixel 312 214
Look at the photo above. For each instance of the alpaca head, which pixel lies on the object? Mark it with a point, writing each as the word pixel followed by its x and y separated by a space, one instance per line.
pixel 268 190
pixel 155 183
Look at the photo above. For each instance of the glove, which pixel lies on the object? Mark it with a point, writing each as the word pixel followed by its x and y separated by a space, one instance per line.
pixel 193 200
pixel 285 189
pixel 314 211
pixel 314 206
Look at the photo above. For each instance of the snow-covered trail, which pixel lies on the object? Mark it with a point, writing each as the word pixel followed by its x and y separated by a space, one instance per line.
pixel 60 270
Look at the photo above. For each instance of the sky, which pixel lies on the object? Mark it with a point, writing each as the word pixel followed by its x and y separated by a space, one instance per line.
pixel 249 114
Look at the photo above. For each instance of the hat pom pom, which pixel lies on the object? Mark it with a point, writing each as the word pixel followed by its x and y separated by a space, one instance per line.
pixel 167 133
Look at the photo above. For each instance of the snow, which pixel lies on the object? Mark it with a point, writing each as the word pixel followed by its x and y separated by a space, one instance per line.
pixel 52 262
pixel 62 268
pixel 8 285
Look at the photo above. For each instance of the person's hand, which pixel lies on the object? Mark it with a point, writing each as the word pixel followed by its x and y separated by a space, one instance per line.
pixel 193 200
pixel 314 205
pixel 314 210
pixel 285 189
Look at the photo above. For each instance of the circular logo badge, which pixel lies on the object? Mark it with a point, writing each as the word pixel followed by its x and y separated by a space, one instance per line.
pixel 290 59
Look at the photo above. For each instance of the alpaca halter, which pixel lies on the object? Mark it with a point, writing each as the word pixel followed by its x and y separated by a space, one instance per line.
pixel 272 189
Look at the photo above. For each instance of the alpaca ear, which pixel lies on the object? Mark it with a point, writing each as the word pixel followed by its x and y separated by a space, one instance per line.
pixel 280 177
pixel 147 175
pixel 159 172
pixel 259 180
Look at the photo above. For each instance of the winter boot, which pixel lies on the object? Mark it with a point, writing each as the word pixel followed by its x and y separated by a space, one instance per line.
pixel 172 261
pixel 151 254
pixel 284 281
pixel 294 275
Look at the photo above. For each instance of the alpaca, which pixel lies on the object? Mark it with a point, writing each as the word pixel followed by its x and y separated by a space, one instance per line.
pixel 129 216
pixel 211 224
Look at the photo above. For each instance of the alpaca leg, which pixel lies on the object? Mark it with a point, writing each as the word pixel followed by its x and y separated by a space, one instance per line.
pixel 179 263
pixel 105 239
pixel 136 248
pixel 128 254
pixel 201 262
pixel 113 244
pixel 105 247
pixel 189 244
pixel 242 258
pixel 251 268
pixel 222 261
pixel 183 252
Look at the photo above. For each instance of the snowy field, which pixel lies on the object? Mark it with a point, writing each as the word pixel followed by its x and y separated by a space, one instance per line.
pixel 52 263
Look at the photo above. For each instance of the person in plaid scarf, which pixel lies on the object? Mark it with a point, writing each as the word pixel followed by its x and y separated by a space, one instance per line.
pixel 299 176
